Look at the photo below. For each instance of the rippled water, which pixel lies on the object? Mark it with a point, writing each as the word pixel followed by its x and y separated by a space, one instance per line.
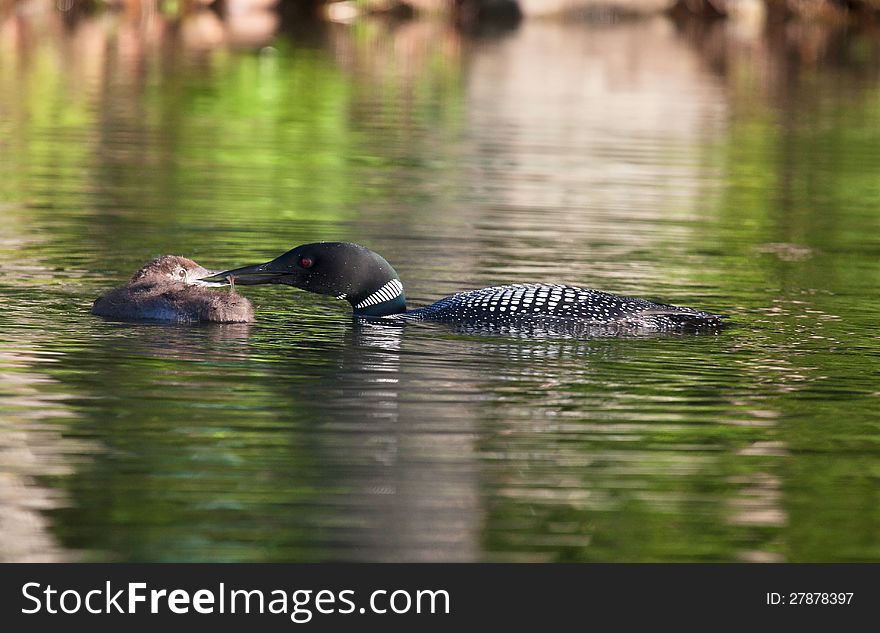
pixel 715 168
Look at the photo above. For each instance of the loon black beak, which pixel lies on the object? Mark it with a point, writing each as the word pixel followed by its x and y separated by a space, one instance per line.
pixel 272 272
pixel 207 278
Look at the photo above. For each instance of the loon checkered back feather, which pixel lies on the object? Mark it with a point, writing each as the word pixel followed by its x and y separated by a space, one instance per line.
pixel 528 304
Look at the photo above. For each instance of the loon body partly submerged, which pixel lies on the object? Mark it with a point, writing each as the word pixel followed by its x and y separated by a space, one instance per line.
pixel 374 290
pixel 551 305
pixel 170 288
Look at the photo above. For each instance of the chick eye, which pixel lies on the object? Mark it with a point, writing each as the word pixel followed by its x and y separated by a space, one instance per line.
pixel 181 273
pixel 306 262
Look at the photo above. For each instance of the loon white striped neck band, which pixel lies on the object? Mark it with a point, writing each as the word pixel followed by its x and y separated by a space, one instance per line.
pixel 389 291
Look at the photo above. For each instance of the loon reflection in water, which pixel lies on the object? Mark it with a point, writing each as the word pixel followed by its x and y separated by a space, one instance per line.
pixel 374 290
pixel 170 288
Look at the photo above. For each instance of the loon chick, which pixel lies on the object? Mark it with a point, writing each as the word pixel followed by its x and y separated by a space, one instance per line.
pixel 170 288
pixel 372 287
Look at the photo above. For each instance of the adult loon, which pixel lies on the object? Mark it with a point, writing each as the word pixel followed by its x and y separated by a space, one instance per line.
pixel 170 288
pixel 374 290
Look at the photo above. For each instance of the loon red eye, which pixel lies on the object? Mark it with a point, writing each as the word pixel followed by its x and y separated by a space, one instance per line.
pixel 306 262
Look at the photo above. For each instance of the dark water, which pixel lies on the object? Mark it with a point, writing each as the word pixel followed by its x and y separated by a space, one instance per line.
pixel 724 169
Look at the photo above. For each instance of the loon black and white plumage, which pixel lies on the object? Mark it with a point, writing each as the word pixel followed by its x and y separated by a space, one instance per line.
pixel 369 283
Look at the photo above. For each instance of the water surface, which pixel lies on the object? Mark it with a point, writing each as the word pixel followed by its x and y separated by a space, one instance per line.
pixel 711 167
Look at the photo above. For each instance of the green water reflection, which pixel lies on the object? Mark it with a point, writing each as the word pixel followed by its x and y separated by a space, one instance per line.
pixel 719 169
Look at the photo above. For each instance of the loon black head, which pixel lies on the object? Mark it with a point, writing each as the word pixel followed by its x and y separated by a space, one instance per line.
pixel 339 269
